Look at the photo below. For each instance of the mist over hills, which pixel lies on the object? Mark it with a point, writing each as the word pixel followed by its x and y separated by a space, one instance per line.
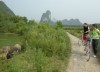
pixel 47 17
pixel 6 11
pixel 71 22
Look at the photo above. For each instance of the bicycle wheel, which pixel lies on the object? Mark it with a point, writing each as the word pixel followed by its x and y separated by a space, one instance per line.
pixel 87 50
pixel 88 57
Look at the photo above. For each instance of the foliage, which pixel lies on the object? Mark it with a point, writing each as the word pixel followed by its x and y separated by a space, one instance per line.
pixel 51 44
pixel 15 24
pixel 59 24
pixel 47 50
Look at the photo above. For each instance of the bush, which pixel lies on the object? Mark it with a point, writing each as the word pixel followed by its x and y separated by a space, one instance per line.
pixel 46 50
pixel 13 24
pixel 53 44
pixel 59 24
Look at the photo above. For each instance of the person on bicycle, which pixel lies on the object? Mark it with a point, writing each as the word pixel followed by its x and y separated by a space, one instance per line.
pixel 86 30
pixel 95 39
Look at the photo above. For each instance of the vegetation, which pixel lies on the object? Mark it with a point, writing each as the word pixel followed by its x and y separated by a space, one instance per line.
pixel 7 39
pixel 4 10
pixel 47 48
pixel 76 33
pixel 15 24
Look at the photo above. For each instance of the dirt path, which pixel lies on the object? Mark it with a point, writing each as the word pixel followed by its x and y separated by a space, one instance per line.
pixel 78 61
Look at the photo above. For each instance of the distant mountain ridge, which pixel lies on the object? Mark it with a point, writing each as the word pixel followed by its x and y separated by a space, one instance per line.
pixel 47 17
pixel 71 22
pixel 5 10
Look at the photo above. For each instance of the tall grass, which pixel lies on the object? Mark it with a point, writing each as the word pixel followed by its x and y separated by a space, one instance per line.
pixel 47 50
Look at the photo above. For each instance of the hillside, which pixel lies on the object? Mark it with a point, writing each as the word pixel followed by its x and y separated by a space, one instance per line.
pixel 5 10
pixel 71 22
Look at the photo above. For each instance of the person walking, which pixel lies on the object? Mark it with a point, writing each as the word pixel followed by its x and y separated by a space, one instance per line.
pixel 95 39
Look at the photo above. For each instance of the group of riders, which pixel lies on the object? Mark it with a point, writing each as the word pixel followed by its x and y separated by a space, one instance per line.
pixel 92 36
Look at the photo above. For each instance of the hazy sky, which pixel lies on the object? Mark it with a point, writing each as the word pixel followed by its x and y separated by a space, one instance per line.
pixel 85 10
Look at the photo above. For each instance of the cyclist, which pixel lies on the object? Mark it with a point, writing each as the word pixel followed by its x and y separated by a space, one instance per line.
pixel 95 39
pixel 86 30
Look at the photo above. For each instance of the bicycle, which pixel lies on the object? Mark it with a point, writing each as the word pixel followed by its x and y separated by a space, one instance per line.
pixel 86 44
pixel 87 47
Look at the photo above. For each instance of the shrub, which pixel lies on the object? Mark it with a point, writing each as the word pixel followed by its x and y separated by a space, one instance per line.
pixel 46 50
pixel 52 43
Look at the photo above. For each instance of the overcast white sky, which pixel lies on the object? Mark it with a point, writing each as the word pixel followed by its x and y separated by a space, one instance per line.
pixel 85 10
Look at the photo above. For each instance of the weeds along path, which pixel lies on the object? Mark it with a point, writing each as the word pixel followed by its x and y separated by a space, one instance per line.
pixel 78 61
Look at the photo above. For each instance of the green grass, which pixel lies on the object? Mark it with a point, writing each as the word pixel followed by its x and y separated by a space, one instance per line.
pixel 52 44
pixel 76 33
pixel 48 50
pixel 9 39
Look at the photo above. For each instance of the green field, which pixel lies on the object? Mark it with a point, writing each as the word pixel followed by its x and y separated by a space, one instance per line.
pixel 7 39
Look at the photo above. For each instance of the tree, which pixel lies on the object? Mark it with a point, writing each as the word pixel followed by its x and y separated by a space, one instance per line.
pixel 21 27
pixel 59 24
pixel 32 22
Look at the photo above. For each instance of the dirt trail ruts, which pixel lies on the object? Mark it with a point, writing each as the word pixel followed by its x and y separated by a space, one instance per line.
pixel 78 61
